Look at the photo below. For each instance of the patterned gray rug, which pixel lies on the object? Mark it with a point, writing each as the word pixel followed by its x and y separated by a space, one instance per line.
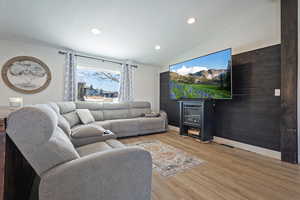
pixel 168 160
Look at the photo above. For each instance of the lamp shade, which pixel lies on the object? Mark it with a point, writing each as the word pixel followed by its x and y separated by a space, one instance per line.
pixel 15 102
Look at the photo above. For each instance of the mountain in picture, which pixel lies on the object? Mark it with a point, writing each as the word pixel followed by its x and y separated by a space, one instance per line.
pixel 204 77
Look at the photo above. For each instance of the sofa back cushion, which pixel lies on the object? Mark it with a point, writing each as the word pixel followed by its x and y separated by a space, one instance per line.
pixel 54 107
pixel 62 122
pixel 64 125
pixel 109 111
pixel 66 107
pixel 68 111
pixel 96 109
pixel 139 108
pixel 116 111
pixel 35 131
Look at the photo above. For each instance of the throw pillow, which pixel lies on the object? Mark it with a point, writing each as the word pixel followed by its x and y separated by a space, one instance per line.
pixel 72 118
pixel 90 130
pixel 85 116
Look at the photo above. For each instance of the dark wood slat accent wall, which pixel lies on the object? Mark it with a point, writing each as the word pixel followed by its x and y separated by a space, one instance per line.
pixel 166 104
pixel 289 69
pixel 253 115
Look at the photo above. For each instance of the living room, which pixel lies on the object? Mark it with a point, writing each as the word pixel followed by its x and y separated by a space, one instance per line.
pixel 143 100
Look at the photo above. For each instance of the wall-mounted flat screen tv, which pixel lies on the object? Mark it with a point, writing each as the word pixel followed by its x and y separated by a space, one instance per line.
pixel 206 77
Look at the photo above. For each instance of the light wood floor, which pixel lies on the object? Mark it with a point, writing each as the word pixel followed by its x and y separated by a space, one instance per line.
pixel 230 174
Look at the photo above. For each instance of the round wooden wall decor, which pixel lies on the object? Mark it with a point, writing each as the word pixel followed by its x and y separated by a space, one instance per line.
pixel 26 74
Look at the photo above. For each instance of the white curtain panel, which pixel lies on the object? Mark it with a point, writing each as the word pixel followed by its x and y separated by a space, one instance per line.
pixel 126 83
pixel 70 77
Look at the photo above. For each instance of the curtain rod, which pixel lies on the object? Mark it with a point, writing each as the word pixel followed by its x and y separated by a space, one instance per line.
pixel 95 58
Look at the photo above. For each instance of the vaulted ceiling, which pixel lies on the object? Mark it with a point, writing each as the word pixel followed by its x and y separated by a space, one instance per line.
pixel 130 28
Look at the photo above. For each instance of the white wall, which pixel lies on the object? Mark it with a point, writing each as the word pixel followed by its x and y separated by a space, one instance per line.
pixel 55 61
pixel 262 30
pixel 146 83
pixel 146 77
pixel 237 42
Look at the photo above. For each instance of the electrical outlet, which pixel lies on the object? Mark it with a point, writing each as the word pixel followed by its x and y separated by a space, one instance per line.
pixel 277 93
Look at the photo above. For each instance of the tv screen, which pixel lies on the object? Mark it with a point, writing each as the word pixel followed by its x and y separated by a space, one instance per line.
pixel 206 77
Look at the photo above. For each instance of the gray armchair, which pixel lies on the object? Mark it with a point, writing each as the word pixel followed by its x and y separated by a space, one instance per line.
pixel 105 170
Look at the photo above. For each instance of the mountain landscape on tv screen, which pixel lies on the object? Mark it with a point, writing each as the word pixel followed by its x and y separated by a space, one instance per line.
pixel 206 83
pixel 205 77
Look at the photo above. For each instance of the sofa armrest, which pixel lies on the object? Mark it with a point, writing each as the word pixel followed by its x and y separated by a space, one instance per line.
pixel 164 115
pixel 120 174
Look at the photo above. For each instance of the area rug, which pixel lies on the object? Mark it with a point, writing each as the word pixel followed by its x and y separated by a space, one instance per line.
pixel 168 160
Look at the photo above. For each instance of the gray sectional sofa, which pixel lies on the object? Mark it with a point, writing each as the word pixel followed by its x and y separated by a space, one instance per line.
pixel 123 119
pixel 86 166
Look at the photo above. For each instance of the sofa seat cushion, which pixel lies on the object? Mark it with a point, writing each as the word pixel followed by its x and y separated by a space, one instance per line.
pixel 90 130
pixel 87 134
pixel 134 126
pixel 125 127
pixel 99 146
pixel 115 144
pixel 155 123
pixel 78 142
pixel 104 124
pixel 93 148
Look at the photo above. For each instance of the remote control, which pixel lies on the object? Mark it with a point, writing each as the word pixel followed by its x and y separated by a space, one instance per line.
pixel 106 132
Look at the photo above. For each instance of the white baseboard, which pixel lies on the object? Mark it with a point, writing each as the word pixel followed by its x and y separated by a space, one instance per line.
pixel 248 147
pixel 240 145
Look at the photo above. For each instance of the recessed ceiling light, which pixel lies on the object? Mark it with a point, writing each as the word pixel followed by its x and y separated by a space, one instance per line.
pixel 191 20
pixel 157 47
pixel 95 31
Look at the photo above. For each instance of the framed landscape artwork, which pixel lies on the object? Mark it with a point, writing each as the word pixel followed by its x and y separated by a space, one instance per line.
pixel 26 74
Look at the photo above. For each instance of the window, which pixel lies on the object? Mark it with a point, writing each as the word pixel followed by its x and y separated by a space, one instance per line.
pixel 97 84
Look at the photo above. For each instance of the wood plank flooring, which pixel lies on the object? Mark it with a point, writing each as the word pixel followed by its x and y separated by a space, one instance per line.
pixel 228 174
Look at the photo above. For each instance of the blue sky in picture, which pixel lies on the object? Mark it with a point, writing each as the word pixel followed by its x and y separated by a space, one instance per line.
pixel 90 77
pixel 218 60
